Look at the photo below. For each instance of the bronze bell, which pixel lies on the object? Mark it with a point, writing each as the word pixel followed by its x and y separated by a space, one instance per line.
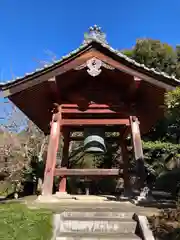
pixel 94 141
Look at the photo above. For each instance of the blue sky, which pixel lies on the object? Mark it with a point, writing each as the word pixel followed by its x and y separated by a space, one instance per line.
pixel 29 28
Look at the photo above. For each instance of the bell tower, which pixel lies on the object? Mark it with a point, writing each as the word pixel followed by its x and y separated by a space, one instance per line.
pixel 93 90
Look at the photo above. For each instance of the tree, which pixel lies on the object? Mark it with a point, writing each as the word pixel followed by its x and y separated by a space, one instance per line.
pixel 23 148
pixel 12 153
pixel 161 144
pixel 157 55
pixel 22 144
pixel 172 100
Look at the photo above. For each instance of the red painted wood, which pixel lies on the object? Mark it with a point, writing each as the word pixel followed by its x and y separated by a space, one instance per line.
pixel 86 172
pixel 86 122
pixel 107 128
pixel 73 110
pixel 125 166
pixel 64 164
pixel 136 138
pixel 54 90
pixel 90 106
pixel 137 81
pixel 62 184
pixel 125 132
pixel 51 155
pixel 81 138
pixel 138 152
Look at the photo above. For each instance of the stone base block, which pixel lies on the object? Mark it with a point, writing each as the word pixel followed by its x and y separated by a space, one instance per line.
pixel 90 198
pixel 101 236
pixel 98 226
pixel 46 199
pixel 64 195
pixel 102 215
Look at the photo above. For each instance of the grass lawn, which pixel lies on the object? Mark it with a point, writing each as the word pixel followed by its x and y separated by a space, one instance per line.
pixel 17 222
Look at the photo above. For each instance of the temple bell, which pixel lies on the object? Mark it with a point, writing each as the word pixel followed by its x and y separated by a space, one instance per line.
pixel 94 142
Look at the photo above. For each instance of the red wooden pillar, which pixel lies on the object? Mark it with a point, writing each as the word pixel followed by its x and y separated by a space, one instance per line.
pixel 125 156
pixel 136 137
pixel 51 154
pixel 138 150
pixel 64 164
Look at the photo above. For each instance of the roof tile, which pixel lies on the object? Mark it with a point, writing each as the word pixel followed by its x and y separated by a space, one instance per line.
pixel 103 44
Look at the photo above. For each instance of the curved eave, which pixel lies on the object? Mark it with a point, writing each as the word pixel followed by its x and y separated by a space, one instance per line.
pixel 47 68
pixel 102 47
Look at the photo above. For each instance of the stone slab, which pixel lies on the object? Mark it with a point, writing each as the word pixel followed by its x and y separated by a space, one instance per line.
pixel 46 199
pixel 154 203
pixel 74 199
pixel 73 205
pixel 96 215
pixel 124 226
pixel 64 195
pixel 89 197
pixel 75 236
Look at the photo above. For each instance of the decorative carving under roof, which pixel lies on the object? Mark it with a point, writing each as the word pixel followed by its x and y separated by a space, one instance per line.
pixel 94 66
pixel 95 33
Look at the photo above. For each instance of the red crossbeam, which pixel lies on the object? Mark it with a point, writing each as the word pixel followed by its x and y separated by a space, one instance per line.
pixel 74 110
pixel 86 122
pixel 87 172
pixel 81 138
pixel 90 106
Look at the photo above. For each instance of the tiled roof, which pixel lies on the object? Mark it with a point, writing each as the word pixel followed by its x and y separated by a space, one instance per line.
pixel 87 42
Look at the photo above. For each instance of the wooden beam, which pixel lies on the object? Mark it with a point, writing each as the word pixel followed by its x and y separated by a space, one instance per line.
pixel 138 151
pixel 55 94
pixel 91 111
pixel 132 90
pixel 132 71
pixel 65 155
pixel 81 138
pixel 125 157
pixel 87 122
pixel 71 63
pixel 110 128
pixel 47 73
pixel 90 106
pixel 64 163
pixel 125 132
pixel 137 81
pixel 95 109
pixel 87 172
pixel 136 138
pixel 51 154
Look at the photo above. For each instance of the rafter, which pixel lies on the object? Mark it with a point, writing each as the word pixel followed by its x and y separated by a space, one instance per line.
pixel 54 91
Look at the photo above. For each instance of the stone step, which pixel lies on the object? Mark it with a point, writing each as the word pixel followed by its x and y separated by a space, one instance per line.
pixel 97 226
pixel 96 215
pixel 95 218
pixel 100 236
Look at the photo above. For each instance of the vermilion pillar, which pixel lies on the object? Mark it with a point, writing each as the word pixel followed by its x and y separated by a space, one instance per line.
pixel 51 154
pixel 65 155
pixel 138 150
pixel 125 156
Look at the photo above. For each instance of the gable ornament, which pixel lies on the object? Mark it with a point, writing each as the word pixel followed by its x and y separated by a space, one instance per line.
pixel 93 66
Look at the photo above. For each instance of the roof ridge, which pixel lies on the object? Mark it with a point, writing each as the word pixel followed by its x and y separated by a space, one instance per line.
pixel 84 45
